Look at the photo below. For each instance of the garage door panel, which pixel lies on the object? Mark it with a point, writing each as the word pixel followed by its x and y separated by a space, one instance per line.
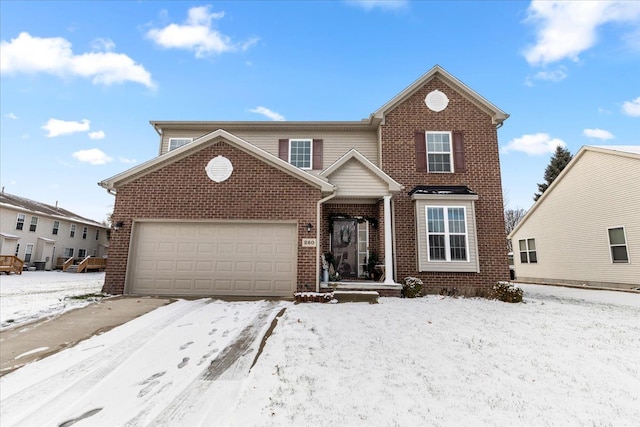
pixel 214 259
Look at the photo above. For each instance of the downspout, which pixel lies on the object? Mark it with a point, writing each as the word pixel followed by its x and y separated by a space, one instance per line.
pixel 320 202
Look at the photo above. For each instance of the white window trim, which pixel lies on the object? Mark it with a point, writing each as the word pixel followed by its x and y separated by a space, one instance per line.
pixel 56 229
pixel 186 141
pixel 626 245
pixel 34 224
pixel 426 141
pixel 72 231
pixel 310 141
pixel 527 250
pixel 22 217
pixel 85 231
pixel 28 251
pixel 447 234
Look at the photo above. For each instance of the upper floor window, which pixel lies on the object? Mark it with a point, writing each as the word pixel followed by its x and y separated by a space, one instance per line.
pixel 618 245
pixel 447 233
pixel 56 227
pixel 528 251
pixel 300 153
pixel 97 234
pixel 34 223
pixel 305 153
pixel 20 222
pixel 72 232
pixel 178 142
pixel 84 232
pixel 439 152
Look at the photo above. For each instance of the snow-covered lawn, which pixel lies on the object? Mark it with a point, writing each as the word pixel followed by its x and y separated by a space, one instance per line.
pixel 564 357
pixel 37 294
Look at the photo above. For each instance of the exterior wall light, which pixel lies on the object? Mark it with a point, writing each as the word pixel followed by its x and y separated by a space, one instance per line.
pixel 309 227
pixel 118 225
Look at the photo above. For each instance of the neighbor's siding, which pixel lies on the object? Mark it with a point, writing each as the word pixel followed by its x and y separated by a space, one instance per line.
pixel 335 143
pixel 570 224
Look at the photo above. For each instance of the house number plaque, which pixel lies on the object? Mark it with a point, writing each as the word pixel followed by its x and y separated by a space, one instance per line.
pixel 308 243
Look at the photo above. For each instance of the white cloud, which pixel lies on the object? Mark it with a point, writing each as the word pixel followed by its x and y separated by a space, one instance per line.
pixel 93 156
pixel 97 135
pixel 379 4
pixel 27 54
pixel 632 108
pixel 196 34
pixel 11 116
pixel 268 113
pixel 554 76
pixel 598 134
pixel 60 127
pixel 127 161
pixel 102 44
pixel 567 28
pixel 534 145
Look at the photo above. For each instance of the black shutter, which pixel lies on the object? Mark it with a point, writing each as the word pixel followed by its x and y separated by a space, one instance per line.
pixel 317 154
pixel 458 152
pixel 283 149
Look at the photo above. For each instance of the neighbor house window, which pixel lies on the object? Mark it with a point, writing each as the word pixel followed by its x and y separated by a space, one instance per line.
pixel 439 152
pixel 447 233
pixel 528 251
pixel 68 252
pixel 84 232
pixel 618 245
pixel 17 249
pixel 27 253
pixel 34 223
pixel 82 253
pixel 300 152
pixel 56 227
pixel 20 222
pixel 72 233
pixel 97 234
pixel 178 142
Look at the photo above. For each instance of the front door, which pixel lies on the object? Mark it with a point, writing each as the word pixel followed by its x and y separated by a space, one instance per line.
pixel 344 245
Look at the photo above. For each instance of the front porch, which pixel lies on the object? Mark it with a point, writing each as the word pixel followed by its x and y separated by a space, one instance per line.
pixel 383 289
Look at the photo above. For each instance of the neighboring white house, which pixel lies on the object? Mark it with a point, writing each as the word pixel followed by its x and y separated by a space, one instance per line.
pixel 39 233
pixel 585 229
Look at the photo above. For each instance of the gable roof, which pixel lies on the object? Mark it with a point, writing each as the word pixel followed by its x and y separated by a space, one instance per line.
pixel 630 151
pixel 28 205
pixel 497 115
pixel 154 164
pixel 394 186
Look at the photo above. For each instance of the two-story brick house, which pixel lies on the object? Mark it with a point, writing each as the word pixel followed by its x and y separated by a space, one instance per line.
pixel 249 208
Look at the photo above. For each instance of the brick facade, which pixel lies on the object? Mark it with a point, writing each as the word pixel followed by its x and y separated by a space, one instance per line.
pixel 482 176
pixel 182 191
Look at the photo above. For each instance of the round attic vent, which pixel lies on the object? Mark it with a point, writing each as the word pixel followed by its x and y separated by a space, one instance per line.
pixel 219 169
pixel 436 101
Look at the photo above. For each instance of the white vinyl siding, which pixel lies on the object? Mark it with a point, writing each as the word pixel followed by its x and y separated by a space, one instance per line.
pixel 353 179
pixel 178 142
pixel 335 143
pixel 570 224
pixel 439 152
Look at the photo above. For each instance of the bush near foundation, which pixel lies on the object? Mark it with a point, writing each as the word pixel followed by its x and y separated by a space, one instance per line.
pixel 412 287
pixel 507 292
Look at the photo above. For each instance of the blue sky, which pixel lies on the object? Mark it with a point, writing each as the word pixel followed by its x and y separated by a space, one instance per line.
pixel 80 81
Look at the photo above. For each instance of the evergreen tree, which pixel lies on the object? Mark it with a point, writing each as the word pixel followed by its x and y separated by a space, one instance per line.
pixel 559 161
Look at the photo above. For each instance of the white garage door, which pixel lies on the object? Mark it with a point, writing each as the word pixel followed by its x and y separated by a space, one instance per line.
pixel 171 258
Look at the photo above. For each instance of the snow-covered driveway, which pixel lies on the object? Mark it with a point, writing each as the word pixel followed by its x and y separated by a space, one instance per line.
pixel 566 357
pixel 182 364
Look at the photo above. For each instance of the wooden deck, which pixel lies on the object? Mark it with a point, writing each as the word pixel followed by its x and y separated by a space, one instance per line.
pixel 11 264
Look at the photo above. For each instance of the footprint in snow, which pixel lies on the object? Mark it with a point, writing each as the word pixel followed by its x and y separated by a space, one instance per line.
pixel 153 377
pixel 225 333
pixel 213 331
pixel 183 346
pixel 148 388
pixel 207 356
pixel 184 362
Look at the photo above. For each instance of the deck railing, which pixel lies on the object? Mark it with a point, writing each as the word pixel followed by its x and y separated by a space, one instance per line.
pixel 11 264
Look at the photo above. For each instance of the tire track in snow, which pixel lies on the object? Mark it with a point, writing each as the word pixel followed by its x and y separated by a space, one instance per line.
pixel 49 398
pixel 220 384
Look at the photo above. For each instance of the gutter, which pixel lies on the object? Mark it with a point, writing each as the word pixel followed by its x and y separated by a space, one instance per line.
pixel 320 202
